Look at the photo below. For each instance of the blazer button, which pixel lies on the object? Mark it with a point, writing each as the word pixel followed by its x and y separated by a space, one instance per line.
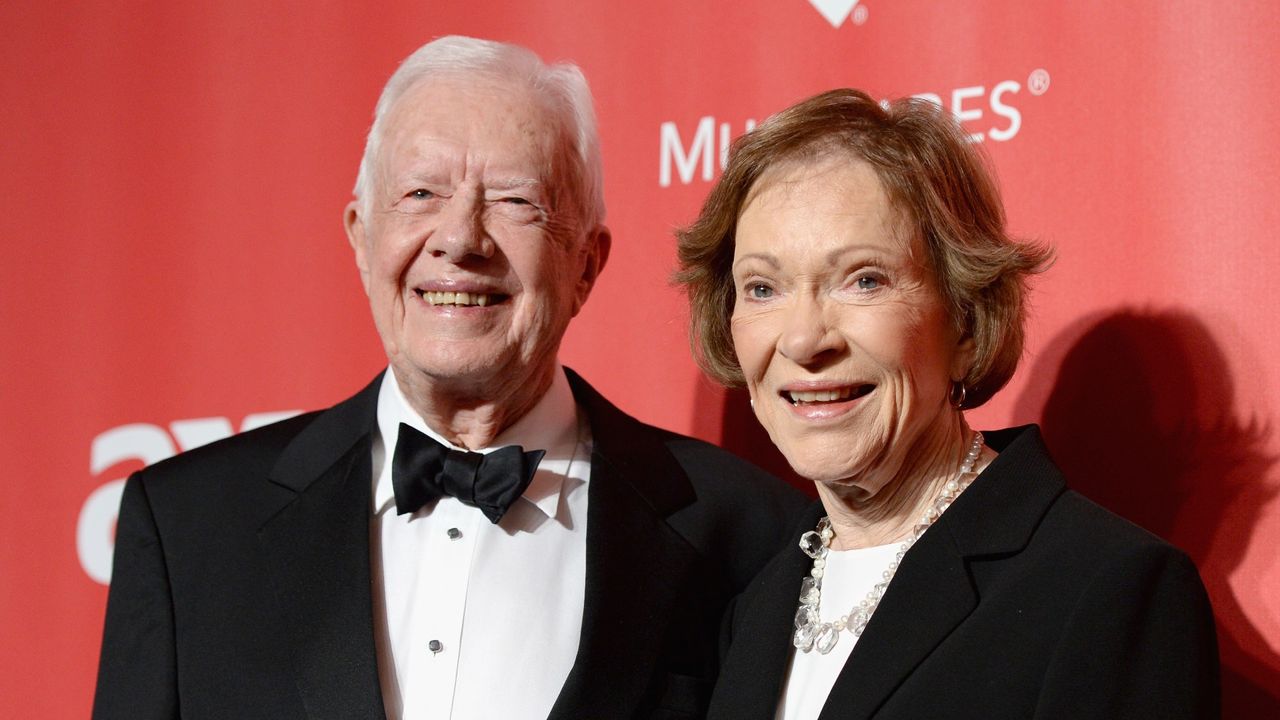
pixel 454 533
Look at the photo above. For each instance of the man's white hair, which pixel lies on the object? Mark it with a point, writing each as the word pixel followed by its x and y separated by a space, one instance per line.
pixel 562 83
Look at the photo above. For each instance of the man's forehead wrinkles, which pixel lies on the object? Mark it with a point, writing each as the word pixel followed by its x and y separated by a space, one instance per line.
pixel 501 173
pixel 471 170
pixel 508 152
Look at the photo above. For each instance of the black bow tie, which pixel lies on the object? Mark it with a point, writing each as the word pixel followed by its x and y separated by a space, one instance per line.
pixel 423 470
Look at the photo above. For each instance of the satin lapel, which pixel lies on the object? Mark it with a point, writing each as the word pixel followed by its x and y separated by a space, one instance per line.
pixel 319 547
pixel 929 596
pixel 637 565
pixel 760 648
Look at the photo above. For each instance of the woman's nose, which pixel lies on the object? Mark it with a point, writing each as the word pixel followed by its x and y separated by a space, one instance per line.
pixel 808 336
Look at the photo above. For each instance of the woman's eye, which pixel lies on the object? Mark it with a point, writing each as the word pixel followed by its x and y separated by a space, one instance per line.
pixel 759 291
pixel 867 282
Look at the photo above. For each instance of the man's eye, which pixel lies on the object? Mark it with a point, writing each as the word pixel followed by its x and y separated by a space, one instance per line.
pixel 516 201
pixel 422 194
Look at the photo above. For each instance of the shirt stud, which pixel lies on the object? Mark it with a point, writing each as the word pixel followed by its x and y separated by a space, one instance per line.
pixel 434 646
pixel 454 533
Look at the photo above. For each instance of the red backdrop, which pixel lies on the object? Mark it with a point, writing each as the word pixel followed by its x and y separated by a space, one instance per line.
pixel 175 174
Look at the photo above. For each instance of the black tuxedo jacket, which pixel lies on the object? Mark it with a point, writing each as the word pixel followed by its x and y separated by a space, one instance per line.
pixel 1024 600
pixel 241 585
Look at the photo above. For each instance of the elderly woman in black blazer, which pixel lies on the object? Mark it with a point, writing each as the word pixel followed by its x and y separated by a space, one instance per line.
pixel 853 270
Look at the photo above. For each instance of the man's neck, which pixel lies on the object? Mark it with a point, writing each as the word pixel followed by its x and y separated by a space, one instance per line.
pixel 466 419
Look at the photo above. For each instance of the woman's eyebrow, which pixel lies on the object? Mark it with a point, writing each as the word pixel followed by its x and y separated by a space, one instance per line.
pixel 766 257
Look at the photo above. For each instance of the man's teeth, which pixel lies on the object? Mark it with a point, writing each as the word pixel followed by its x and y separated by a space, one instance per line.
pixel 820 395
pixel 456 298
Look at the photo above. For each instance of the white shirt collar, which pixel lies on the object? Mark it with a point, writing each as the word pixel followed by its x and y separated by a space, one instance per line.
pixel 552 425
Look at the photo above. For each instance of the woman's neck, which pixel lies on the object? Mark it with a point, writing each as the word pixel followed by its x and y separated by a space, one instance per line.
pixel 861 519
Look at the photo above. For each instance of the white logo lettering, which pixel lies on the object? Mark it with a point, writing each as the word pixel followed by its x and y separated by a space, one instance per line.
pixel 700 151
pixel 984 116
pixel 96 530
pixel 835 11
pixel 148 444
pixel 673 151
pixel 1010 112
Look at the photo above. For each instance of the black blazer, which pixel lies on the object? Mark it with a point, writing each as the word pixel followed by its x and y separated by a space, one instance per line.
pixel 241 585
pixel 1024 600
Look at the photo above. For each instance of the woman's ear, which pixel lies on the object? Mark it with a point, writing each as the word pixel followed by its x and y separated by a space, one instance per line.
pixel 964 357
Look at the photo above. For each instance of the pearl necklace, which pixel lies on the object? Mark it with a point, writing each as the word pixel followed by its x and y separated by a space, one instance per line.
pixel 813 634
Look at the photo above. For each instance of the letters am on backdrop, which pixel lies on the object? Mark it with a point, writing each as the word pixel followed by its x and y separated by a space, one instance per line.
pixel 128 446
pixel 178 269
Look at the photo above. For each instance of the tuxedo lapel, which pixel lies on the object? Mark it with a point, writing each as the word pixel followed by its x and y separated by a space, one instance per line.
pixel 638 567
pixel 318 544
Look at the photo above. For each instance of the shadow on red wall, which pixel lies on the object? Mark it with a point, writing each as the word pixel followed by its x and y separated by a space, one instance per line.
pixel 1141 418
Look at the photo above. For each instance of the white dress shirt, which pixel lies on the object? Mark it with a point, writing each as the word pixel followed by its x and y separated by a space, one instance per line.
pixel 500 604
pixel 847 578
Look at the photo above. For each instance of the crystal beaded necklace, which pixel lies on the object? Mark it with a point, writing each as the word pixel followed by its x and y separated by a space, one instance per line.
pixel 813 634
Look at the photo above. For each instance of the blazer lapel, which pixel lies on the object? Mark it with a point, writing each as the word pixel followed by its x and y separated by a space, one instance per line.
pixel 931 593
pixel 638 567
pixel 929 596
pixel 318 542
pixel 762 627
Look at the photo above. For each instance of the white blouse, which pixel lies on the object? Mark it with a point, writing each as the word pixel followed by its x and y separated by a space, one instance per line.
pixel 848 577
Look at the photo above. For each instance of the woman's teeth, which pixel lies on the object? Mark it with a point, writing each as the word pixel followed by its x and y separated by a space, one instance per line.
pixel 834 395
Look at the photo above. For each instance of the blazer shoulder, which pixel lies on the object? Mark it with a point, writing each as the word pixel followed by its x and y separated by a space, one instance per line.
pixel 1106 553
pixel 714 474
pixel 723 506
pixel 1080 522
pixel 248 453
pixel 308 441
pixel 743 495
pixel 742 512
pixel 712 469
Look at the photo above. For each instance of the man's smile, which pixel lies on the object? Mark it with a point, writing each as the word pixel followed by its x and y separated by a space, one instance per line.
pixel 460 299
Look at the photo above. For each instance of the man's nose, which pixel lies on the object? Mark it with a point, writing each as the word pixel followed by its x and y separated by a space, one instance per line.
pixel 809 335
pixel 461 233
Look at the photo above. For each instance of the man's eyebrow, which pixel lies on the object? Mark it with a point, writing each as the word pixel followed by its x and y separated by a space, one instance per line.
pixel 514 183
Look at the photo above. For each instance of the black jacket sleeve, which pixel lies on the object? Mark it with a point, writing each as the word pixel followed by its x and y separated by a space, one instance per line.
pixel 1140 643
pixel 137 672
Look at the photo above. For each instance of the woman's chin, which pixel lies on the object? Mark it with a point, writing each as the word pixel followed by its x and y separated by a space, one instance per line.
pixel 829 463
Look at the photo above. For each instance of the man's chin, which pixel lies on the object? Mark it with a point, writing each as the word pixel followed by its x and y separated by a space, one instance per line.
pixel 453 376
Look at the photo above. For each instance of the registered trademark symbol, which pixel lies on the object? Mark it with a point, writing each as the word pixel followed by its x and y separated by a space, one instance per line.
pixel 1038 81
pixel 860 14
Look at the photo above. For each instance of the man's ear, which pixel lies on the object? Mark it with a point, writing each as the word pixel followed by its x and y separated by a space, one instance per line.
pixel 595 254
pixel 354 225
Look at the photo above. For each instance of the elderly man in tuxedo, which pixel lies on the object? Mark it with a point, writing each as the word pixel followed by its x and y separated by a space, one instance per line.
pixel 477 533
